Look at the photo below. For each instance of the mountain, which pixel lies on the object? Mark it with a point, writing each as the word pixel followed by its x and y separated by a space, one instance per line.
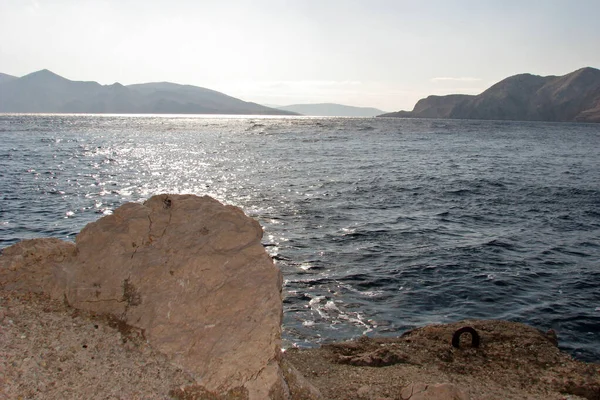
pixel 524 97
pixel 167 97
pixel 433 107
pixel 6 78
pixel 332 110
pixel 47 92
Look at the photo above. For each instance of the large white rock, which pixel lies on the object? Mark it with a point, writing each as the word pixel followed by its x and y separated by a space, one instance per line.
pixel 188 271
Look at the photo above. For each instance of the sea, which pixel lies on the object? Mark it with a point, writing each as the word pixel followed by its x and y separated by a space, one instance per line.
pixel 379 225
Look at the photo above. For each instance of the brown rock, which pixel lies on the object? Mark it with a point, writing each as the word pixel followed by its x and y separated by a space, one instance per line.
pixel 188 272
pixel 441 391
pixel 48 353
pixel 514 361
pixel 299 387
pixel 31 265
pixel 366 352
pixel 377 358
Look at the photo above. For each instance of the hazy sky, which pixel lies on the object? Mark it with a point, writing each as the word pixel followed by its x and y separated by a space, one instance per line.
pixel 379 53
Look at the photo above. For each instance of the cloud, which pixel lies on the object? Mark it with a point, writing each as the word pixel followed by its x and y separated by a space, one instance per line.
pixel 451 79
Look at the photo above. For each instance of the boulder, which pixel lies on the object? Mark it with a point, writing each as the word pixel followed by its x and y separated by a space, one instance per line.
pixel 31 265
pixel 189 272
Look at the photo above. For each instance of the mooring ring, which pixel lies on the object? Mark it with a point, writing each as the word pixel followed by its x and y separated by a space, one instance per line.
pixel 474 337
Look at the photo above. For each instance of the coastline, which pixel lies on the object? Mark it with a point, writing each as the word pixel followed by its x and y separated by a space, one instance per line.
pixel 514 361
pixel 53 351
pixel 177 298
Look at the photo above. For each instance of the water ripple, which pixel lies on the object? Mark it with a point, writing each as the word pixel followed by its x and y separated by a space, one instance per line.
pixel 378 225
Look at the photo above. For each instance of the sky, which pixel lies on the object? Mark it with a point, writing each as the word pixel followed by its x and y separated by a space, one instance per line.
pixel 373 53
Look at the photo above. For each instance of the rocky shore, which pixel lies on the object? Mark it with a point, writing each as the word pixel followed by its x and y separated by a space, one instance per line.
pixel 177 299
pixel 513 361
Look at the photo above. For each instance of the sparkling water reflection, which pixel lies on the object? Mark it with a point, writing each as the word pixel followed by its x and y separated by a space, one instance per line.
pixel 378 225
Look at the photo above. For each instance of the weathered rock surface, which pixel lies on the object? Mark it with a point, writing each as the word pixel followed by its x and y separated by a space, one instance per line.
pixel 31 265
pixel 50 351
pixel 441 391
pixel 188 272
pixel 513 361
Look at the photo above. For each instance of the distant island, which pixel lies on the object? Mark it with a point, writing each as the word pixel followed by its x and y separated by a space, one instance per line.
pixel 524 97
pixel 46 92
pixel 332 110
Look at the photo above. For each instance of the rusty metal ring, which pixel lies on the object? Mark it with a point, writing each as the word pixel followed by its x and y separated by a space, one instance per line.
pixel 474 337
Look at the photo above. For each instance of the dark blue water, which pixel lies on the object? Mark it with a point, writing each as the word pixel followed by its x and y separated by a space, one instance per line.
pixel 378 225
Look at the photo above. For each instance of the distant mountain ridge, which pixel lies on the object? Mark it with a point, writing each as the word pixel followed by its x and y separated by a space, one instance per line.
pixel 6 78
pixel 46 92
pixel 332 110
pixel 524 97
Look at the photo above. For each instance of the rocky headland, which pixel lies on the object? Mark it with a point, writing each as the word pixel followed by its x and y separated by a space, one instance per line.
pixel 574 97
pixel 177 298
